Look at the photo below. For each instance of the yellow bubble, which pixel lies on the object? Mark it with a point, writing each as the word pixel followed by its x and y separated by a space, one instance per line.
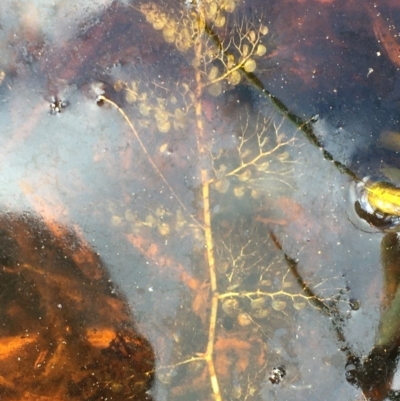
pixel 116 221
pixel 170 24
pixel 180 119
pixel 250 65
pixel 195 63
pixel 260 313
pixel 182 45
pixel 164 127
pixel 245 153
pixel 213 73
pixel 230 307
pixel 245 50
pixel 144 109
pixel 179 114
pixel 163 147
pixel 169 34
pixel 183 41
pixel 257 303
pixel 299 304
pixel 150 220
pixel 263 30
pixel 150 16
pixel 130 96
pixel 283 156
pixel 134 86
pixel 230 61
pixel 229 6
pixel 164 229
pixel 158 25
pixel 239 191
pixel 244 319
pixel 222 186
pixel 252 36
pixel 261 50
pixel 161 116
pixel 160 211
pixel 220 21
pixel 215 89
pixel 211 10
pixel 119 85
pixel 278 305
pixel 117 388
pixel 130 216
pixel 245 176
pixel 234 78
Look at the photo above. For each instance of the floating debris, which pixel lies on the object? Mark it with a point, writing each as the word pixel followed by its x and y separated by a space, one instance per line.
pixel 277 374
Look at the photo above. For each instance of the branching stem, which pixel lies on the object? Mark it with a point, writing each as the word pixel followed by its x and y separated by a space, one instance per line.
pixel 104 99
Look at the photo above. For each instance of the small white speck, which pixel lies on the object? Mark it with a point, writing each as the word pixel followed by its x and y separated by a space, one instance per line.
pixel 59 306
pixel 151 289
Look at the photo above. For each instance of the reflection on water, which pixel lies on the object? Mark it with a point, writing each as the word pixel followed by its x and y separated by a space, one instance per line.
pixel 223 225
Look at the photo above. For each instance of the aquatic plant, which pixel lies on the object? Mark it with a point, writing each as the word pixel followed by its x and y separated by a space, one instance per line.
pixel 220 196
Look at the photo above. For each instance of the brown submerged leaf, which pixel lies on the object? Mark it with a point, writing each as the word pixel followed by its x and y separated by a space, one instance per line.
pixel 68 334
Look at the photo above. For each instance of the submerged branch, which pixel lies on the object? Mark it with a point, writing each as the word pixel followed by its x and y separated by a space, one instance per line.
pixel 304 126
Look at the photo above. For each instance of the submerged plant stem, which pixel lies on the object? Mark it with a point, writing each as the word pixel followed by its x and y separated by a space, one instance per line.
pixel 206 226
pixel 205 188
pixel 149 158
